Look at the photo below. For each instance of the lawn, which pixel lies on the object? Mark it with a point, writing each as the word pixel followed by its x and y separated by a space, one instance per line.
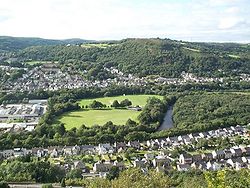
pixel 91 117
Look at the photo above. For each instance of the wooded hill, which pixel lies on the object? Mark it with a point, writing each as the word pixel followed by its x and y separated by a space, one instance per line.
pixel 144 57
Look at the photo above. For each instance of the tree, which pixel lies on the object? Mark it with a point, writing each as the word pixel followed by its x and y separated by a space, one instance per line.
pixel 113 173
pixel 96 104
pixel 47 186
pixel 60 129
pixel 75 173
pixel 125 103
pixel 136 135
pixel 45 172
pixel 240 178
pixel 115 104
pixel 215 179
pixel 4 185
pixel 130 122
pixel 134 177
pixel 153 111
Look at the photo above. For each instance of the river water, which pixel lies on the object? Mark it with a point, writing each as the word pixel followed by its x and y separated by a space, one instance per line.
pixel 168 120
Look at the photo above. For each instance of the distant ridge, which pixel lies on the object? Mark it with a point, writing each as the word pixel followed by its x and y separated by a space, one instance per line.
pixel 8 43
pixel 76 41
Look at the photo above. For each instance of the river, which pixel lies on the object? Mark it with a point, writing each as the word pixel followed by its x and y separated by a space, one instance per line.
pixel 167 121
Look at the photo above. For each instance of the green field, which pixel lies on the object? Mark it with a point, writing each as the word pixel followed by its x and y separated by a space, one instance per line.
pixel 97 45
pixel 99 117
pixel 191 49
pixel 37 62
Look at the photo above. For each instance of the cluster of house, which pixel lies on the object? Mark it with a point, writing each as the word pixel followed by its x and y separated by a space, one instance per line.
pixel 9 68
pixel 126 79
pixel 50 77
pixel 191 78
pixel 47 77
pixel 245 77
pixel 58 151
pixel 187 78
pixel 173 142
pixel 236 157
pixel 24 116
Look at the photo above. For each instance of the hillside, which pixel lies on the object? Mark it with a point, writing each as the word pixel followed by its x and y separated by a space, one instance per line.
pixel 144 57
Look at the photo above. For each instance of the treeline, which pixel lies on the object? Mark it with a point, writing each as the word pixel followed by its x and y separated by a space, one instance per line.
pixel 124 103
pixel 99 105
pixel 144 57
pixel 51 135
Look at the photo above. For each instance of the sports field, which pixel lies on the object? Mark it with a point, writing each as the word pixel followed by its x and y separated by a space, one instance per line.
pixel 90 117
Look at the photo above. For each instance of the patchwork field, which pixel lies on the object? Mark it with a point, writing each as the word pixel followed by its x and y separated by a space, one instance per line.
pixel 91 117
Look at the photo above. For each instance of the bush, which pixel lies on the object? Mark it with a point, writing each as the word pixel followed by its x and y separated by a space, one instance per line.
pixel 47 186
pixel 4 185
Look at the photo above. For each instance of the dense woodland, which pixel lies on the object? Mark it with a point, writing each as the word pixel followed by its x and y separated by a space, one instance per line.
pixel 204 109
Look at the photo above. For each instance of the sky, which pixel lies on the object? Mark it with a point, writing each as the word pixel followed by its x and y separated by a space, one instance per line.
pixel 190 20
